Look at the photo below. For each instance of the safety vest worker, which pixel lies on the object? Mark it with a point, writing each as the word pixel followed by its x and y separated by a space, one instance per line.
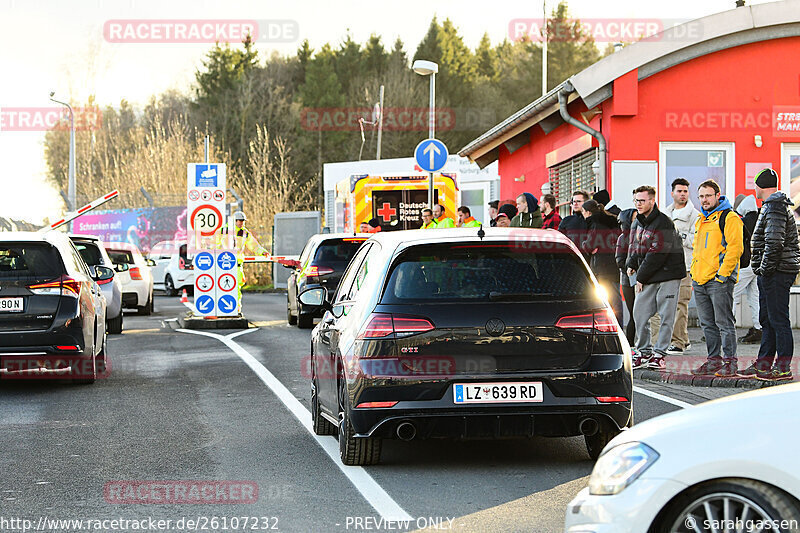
pixel 243 241
pixel 441 220
pixel 427 219
pixel 465 218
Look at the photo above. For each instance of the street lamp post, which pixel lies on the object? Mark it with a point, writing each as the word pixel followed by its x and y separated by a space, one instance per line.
pixel 429 68
pixel 71 186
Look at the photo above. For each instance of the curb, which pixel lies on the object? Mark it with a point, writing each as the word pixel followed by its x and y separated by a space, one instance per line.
pixel 701 381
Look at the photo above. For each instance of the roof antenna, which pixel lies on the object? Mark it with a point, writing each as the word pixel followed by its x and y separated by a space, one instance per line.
pixel 481 233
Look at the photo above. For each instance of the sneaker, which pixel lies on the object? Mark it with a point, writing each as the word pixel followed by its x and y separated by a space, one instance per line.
pixel 674 350
pixel 728 369
pixel 751 371
pixel 776 374
pixel 753 336
pixel 709 368
pixel 641 360
pixel 656 363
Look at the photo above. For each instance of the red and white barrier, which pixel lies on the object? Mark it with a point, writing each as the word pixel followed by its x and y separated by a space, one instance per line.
pixel 75 214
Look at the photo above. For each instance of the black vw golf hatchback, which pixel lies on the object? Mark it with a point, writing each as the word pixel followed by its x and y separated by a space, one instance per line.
pixel 469 334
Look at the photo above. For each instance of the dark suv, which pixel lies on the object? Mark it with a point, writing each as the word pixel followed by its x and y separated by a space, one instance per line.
pixel 321 264
pixel 467 333
pixel 52 313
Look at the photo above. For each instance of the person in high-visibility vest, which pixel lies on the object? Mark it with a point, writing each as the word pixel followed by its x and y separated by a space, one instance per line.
pixel 243 241
pixel 427 219
pixel 465 218
pixel 441 220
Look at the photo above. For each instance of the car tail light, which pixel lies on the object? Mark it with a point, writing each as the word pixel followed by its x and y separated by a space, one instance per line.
pixel 601 321
pixel 375 405
pixel 68 348
pixel 105 281
pixel 314 271
pixel 183 264
pixel 63 286
pixel 611 399
pixel 135 273
pixel 384 324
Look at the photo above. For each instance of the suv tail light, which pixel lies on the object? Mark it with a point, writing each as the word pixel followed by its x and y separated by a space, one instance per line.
pixel 63 286
pixel 601 322
pixel 135 273
pixel 382 325
pixel 105 281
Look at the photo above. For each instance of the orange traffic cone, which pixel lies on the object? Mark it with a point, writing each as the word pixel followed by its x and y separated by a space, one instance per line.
pixel 184 297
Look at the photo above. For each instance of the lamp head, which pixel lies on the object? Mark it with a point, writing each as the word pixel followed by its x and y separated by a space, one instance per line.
pixel 424 68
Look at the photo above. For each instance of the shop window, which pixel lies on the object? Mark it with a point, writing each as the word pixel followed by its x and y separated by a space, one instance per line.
pixel 696 162
pixel 572 175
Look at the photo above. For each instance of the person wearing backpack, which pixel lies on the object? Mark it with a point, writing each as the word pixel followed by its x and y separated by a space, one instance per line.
pixel 747 287
pixel 715 269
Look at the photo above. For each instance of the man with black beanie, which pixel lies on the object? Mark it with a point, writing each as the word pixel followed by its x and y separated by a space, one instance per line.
pixel 776 262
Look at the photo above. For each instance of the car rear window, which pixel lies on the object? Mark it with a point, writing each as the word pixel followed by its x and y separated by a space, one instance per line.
pixel 337 251
pixel 89 252
pixel 29 260
pixel 120 257
pixel 487 271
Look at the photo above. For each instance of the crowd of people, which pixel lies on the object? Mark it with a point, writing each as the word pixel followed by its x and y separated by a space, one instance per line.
pixel 653 260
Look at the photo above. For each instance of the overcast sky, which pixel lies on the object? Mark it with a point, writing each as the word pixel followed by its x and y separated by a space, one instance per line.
pixel 60 45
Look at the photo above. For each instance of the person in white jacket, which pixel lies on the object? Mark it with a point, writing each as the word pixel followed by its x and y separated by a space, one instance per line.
pixel 747 208
pixel 684 215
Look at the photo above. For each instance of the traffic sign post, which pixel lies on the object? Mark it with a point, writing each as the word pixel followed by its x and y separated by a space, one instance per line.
pixel 216 283
pixel 205 199
pixel 431 156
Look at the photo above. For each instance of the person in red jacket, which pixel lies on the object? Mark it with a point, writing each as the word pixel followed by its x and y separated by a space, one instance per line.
pixel 551 217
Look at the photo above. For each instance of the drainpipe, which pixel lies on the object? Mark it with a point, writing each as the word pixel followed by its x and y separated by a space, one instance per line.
pixel 601 141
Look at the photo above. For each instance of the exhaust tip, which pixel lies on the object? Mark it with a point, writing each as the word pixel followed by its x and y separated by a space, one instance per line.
pixel 406 431
pixel 588 426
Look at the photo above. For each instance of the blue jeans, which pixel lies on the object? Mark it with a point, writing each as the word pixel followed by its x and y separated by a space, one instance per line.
pixel 714 302
pixel 773 313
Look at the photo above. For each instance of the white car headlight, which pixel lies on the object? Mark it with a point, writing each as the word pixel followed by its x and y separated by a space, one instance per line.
pixel 619 467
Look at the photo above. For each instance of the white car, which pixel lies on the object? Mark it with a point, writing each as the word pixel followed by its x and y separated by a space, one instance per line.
pixel 726 465
pixel 137 281
pixel 173 270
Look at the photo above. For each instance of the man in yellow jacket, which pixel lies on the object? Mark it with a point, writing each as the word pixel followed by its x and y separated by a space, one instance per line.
pixel 427 219
pixel 243 241
pixel 718 245
pixel 465 218
pixel 441 220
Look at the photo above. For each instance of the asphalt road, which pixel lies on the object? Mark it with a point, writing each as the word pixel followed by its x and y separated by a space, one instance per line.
pixel 187 406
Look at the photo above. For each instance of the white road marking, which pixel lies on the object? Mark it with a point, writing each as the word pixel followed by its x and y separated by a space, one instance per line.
pixel 375 495
pixel 657 396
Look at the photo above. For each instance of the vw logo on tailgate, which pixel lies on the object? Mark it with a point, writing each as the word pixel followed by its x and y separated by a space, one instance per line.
pixel 495 327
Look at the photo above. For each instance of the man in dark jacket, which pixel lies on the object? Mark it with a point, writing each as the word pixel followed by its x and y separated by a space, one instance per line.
pixel 776 262
pixel 655 259
pixel 574 226
pixel 603 197
pixel 600 243
pixel 529 215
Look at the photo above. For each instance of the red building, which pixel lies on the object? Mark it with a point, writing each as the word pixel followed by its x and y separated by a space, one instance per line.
pixel 718 97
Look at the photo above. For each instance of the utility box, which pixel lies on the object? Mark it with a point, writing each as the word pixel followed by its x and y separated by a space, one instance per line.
pixel 290 233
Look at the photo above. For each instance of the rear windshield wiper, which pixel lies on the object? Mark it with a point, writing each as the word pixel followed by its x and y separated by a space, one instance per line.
pixel 496 296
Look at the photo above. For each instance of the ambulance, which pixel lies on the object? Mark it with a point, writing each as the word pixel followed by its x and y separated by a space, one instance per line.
pixel 396 201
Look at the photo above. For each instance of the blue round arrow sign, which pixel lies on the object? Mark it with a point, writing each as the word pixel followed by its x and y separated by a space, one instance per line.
pixel 204 304
pixel 227 304
pixel 431 155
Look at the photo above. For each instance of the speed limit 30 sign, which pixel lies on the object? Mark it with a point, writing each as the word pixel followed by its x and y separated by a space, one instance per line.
pixel 205 198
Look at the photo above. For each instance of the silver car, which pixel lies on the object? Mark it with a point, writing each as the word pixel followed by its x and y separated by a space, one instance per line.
pixel 94 253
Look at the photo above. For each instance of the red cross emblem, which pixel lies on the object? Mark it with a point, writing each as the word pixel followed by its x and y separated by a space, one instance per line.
pixel 386 212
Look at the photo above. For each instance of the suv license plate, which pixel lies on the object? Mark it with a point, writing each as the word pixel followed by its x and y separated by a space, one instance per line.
pixel 13 305
pixel 510 392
